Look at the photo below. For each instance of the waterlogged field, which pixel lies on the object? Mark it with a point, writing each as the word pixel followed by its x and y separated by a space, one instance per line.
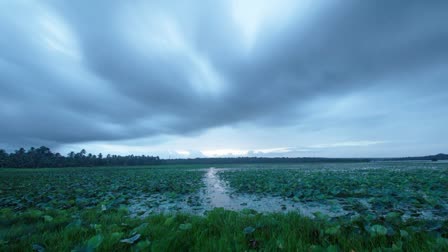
pixel 384 206
pixel 418 190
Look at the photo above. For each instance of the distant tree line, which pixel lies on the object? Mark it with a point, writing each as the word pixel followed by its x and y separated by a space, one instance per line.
pixel 43 157
pixel 437 157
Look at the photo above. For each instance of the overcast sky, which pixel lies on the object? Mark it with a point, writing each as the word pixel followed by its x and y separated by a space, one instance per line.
pixel 225 77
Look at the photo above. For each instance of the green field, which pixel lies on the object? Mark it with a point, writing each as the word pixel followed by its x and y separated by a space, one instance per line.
pixel 377 206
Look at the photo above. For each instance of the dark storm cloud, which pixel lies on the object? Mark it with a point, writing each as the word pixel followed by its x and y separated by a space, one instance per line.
pixel 141 69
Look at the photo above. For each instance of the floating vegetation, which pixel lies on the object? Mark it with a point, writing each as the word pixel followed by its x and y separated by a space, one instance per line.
pixel 103 188
pixel 393 189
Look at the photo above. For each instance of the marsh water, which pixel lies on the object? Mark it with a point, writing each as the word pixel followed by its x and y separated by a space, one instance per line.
pixel 217 193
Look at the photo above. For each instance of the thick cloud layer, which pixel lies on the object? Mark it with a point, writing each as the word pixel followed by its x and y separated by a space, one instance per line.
pixel 80 71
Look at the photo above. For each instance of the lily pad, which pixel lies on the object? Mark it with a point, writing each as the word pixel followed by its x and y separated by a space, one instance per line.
pixel 169 221
pixel 140 228
pixel 186 226
pixel 48 218
pixel 116 235
pixel 333 230
pixel 95 241
pixel 404 233
pixel 75 224
pixel 35 213
pixel 131 240
pixel 38 247
pixel 378 230
pixel 248 230
pixel 143 245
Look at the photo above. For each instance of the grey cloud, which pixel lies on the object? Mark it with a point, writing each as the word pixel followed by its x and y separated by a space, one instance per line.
pixel 121 88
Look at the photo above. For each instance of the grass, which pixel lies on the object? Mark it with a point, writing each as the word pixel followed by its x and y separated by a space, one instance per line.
pixel 219 230
pixel 88 209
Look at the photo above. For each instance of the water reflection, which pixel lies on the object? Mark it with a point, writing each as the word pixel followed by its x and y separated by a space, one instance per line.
pixel 216 193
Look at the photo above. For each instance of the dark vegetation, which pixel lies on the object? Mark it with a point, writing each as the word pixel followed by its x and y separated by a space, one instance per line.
pixel 437 157
pixel 44 157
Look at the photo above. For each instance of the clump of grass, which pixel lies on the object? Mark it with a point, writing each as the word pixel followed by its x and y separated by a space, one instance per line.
pixel 218 230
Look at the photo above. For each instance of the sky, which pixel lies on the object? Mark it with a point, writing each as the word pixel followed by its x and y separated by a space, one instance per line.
pixel 184 79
